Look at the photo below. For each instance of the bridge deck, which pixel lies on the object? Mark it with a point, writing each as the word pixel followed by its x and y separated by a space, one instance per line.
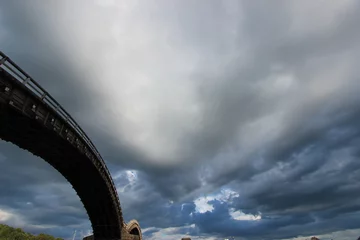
pixel 33 120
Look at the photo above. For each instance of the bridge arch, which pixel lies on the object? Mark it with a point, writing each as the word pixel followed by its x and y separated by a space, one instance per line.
pixel 133 228
pixel 31 119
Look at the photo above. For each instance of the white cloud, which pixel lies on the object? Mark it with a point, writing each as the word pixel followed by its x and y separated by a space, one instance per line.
pixel 172 233
pixel 240 216
pixel 4 216
pixel 202 204
pixel 15 219
pixel 131 177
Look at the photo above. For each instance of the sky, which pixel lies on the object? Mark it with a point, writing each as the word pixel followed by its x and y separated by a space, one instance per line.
pixel 215 118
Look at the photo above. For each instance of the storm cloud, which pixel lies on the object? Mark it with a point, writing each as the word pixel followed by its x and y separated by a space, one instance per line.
pixel 216 118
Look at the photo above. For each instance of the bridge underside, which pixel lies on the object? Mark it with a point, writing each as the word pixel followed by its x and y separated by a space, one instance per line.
pixel 81 172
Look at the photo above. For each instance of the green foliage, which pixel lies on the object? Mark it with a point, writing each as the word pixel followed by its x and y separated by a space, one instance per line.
pixel 9 233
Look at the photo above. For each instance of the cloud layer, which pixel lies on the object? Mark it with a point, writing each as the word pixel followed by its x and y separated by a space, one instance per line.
pixel 228 118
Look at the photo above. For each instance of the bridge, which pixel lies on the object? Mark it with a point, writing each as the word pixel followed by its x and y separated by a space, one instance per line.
pixel 31 119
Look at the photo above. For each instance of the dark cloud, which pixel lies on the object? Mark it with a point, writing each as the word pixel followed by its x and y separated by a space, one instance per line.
pixel 260 98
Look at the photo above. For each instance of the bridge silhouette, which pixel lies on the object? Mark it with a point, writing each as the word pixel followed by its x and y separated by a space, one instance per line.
pixel 33 120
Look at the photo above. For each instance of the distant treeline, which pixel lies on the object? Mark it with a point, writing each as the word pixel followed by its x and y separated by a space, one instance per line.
pixel 10 233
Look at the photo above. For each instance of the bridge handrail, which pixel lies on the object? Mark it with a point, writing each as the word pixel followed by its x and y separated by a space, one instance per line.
pixel 12 68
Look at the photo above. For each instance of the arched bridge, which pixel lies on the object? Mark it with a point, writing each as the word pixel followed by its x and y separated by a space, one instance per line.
pixel 134 230
pixel 33 120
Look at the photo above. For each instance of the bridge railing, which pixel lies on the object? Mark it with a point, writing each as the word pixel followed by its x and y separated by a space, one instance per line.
pixel 12 68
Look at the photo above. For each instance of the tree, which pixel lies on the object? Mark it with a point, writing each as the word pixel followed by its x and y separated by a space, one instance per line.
pixel 10 233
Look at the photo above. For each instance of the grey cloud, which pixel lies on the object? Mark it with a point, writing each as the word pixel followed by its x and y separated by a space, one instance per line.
pixel 288 174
